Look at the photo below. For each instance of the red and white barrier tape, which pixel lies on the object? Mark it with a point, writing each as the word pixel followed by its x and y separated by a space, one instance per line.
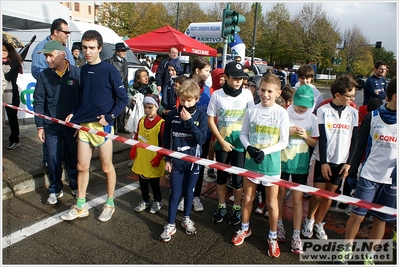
pixel 223 167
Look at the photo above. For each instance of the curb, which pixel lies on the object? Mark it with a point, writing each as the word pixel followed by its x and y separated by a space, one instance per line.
pixel 23 182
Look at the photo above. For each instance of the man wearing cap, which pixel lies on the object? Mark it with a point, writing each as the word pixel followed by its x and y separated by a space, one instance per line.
pixel 57 92
pixel 119 61
pixel 59 31
pixel 227 106
pixel 79 62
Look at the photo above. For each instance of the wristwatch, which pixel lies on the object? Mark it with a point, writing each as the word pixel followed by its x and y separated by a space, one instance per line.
pixel 113 116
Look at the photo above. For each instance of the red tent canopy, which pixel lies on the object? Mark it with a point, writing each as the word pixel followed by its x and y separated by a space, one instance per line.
pixel 162 39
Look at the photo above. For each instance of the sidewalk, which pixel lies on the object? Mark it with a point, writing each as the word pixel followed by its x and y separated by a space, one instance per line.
pixel 23 170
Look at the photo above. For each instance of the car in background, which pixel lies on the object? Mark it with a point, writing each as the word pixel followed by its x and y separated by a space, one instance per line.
pixel 259 67
pixel 360 83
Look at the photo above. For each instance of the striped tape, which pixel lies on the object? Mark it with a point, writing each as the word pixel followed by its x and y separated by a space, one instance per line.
pixel 223 167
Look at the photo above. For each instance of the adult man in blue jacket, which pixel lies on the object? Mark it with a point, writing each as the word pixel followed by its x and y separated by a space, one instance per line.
pixel 57 92
pixel 59 31
pixel 376 85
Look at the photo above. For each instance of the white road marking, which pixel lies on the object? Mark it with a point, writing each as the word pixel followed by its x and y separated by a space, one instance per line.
pixel 55 219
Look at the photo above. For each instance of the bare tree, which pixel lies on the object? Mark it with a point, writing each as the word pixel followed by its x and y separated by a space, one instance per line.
pixel 316 35
pixel 357 52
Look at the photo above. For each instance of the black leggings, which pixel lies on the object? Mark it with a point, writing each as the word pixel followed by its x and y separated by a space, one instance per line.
pixel 233 158
pixel 145 190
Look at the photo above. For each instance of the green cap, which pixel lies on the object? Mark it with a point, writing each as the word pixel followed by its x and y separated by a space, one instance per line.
pixel 51 46
pixel 304 96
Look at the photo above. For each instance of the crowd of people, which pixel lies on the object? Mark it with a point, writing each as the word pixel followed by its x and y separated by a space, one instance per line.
pixel 269 124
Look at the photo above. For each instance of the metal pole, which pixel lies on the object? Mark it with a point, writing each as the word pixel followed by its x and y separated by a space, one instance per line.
pixel 224 52
pixel 254 35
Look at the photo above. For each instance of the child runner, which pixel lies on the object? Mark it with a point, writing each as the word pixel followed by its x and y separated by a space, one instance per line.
pixel 265 132
pixel 226 111
pixel 200 71
pixel 150 131
pixel 295 159
pixel 378 139
pixel 185 132
pixel 338 123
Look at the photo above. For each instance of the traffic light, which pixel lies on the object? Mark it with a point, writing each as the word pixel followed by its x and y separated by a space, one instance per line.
pixel 229 23
pixel 378 44
pixel 336 60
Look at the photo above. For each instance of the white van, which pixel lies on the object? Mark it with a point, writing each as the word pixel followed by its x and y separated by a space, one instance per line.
pixel 27 83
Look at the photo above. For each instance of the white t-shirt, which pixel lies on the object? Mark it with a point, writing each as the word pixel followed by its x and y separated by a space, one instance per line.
pixel 338 131
pixel 229 112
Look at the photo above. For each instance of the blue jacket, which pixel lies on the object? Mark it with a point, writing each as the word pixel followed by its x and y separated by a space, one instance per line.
pixel 56 96
pixel 374 84
pixel 103 93
pixel 185 136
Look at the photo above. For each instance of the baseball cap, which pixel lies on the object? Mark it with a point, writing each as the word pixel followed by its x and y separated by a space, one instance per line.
pixel 234 69
pixel 50 46
pixel 304 96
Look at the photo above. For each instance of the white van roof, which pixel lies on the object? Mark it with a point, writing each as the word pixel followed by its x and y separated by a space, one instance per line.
pixel 78 28
pixel 32 15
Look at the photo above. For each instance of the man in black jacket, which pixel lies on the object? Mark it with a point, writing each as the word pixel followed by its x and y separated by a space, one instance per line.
pixel 119 61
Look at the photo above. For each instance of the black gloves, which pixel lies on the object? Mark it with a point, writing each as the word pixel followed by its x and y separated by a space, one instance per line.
pixel 256 154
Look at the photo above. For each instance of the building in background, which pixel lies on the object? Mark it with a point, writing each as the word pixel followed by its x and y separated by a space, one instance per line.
pixel 83 11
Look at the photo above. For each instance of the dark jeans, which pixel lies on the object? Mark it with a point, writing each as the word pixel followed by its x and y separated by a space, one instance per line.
pixel 60 144
pixel 145 190
pixel 12 115
pixel 120 121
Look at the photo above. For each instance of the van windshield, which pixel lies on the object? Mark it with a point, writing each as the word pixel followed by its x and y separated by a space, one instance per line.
pixel 108 51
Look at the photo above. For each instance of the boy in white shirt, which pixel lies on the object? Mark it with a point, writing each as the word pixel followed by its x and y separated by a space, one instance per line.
pixel 265 132
pixel 226 111
pixel 338 123
pixel 295 159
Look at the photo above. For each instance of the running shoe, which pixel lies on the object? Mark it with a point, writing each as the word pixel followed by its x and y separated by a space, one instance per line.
pixel 320 233
pixel 280 233
pixel 142 206
pixel 307 228
pixel 296 245
pixel 188 225
pixel 156 206
pixel 219 214
pixel 274 249
pixel 75 212
pixel 53 198
pixel 168 231
pixel 261 208
pixel 181 205
pixel 107 213
pixel 239 237
pixel 235 217
pixel 197 204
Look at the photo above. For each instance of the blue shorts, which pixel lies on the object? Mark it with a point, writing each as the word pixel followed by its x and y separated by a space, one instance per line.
pixel 376 193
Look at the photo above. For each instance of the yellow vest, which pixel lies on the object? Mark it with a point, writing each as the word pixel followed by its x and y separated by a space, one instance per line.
pixel 142 161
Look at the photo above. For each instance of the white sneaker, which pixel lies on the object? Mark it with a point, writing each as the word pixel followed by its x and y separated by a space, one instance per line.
pixel 188 225
pixel 107 213
pixel 167 233
pixel 75 212
pixel 156 206
pixel 320 233
pixel 197 204
pixel 181 205
pixel 53 198
pixel 307 228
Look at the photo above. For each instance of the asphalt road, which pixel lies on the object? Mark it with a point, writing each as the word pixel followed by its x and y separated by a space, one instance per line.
pixel 34 234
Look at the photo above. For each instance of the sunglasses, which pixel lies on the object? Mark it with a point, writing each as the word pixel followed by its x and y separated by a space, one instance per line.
pixel 66 32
